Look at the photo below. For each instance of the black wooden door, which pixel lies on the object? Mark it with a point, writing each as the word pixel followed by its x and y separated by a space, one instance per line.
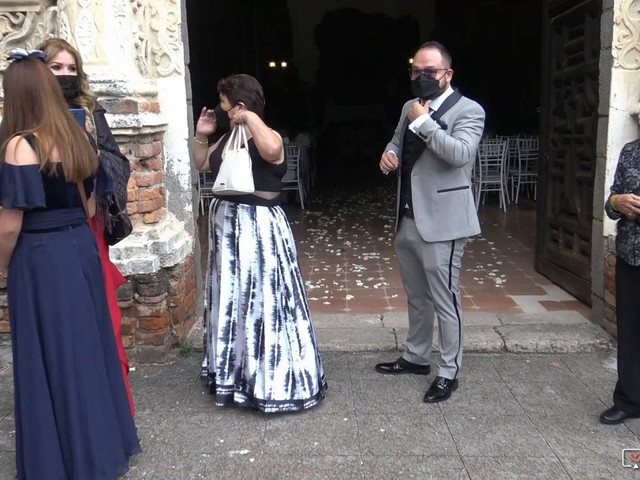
pixel 568 127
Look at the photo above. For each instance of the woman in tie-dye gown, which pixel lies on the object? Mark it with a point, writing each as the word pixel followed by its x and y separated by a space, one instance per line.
pixel 260 348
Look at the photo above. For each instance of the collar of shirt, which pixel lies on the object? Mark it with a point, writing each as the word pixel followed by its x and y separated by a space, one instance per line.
pixel 436 102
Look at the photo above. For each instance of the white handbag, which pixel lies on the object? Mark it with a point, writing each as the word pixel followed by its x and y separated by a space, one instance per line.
pixel 235 176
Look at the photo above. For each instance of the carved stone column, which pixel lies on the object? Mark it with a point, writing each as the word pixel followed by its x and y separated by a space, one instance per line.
pixel 133 55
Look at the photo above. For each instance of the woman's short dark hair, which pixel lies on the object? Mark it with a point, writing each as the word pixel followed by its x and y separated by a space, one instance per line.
pixel 243 88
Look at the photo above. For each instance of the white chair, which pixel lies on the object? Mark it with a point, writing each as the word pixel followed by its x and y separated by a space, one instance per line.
pixel 291 179
pixel 490 171
pixel 205 194
pixel 527 171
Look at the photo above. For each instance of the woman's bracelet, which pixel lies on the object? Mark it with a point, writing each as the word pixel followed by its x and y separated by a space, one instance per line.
pixel 612 202
pixel 199 142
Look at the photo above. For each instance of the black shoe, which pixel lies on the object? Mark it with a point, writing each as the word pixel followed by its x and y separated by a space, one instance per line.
pixel 614 416
pixel 403 366
pixel 440 390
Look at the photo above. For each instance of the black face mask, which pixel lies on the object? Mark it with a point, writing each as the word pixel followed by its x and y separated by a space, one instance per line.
pixel 70 85
pixel 222 119
pixel 425 87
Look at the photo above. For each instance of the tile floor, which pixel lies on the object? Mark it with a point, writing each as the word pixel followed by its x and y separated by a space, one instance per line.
pixel 345 247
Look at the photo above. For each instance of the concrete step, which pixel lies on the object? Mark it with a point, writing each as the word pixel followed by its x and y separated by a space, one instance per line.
pixel 552 332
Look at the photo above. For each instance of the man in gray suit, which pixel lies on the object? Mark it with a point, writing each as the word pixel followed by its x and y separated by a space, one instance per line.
pixel 433 153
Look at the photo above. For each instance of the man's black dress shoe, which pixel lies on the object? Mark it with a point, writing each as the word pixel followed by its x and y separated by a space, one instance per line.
pixel 614 416
pixel 403 366
pixel 440 390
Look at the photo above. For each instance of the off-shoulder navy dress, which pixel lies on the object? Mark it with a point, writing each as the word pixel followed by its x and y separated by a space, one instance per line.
pixel 72 413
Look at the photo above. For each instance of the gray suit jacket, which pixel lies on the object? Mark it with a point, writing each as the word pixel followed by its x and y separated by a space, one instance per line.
pixel 443 202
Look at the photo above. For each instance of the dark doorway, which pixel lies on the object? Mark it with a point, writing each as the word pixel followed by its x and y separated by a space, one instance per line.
pixel 345 78
pixel 568 141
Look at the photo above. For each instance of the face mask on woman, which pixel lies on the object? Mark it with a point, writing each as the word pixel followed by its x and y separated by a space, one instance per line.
pixel 70 85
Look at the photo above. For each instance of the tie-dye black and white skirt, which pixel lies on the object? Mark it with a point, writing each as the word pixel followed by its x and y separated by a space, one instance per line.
pixel 260 350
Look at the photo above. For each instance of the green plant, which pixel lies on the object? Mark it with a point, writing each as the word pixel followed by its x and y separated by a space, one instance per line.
pixel 186 347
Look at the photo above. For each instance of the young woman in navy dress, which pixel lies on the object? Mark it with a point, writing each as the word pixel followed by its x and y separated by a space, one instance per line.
pixel 72 414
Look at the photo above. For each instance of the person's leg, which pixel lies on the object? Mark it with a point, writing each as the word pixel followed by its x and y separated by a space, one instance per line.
pixel 420 305
pixel 626 396
pixel 442 263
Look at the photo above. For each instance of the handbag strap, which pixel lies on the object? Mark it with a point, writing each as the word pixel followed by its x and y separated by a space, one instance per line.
pixel 242 136
pixel 230 141
pixel 83 196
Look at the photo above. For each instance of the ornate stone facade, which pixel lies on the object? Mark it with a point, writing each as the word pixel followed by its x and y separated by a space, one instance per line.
pixel 131 49
pixel 626 50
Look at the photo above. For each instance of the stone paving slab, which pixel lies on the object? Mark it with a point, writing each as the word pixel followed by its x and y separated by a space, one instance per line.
pixel 555 338
pixel 558 318
pixel 514 416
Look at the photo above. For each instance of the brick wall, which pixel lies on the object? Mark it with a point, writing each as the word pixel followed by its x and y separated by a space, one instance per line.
pixel 157 309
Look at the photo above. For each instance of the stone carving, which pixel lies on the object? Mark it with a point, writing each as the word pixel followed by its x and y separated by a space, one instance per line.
pixel 86 31
pixel 157 37
pixel 25 25
pixel 626 48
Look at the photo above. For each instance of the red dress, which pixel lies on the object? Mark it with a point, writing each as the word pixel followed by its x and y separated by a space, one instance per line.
pixel 113 279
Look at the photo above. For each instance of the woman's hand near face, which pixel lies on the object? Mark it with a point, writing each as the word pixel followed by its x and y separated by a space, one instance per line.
pixel 207 124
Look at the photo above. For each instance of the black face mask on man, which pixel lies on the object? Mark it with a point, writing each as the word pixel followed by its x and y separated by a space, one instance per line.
pixel 70 85
pixel 424 87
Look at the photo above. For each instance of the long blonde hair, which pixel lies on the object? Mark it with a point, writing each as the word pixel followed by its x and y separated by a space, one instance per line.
pixel 86 99
pixel 34 104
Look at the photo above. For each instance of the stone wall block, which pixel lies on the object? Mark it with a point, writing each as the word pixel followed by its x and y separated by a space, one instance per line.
pixel 150 107
pixel 151 193
pixel 157 299
pixel 147 179
pixel 155 216
pixel 147 150
pixel 127 326
pixel 158 337
pixel 120 106
pixel 152 289
pixel 153 164
pixel 147 206
pixel 152 324
pixel 151 310
pixel 124 293
pixel 159 276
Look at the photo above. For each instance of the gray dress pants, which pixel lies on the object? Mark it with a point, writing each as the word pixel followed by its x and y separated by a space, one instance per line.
pixel 430 274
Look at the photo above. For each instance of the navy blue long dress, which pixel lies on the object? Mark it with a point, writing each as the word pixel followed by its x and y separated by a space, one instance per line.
pixel 72 414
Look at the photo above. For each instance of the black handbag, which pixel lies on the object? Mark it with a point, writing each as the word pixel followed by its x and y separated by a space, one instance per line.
pixel 116 222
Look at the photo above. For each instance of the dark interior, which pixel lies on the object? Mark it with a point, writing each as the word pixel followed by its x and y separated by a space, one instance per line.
pixel 346 76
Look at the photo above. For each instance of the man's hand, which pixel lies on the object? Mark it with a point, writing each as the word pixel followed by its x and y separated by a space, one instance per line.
pixel 418 109
pixel 388 162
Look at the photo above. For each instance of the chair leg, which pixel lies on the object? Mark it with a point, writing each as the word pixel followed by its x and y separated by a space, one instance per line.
pixel 301 197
